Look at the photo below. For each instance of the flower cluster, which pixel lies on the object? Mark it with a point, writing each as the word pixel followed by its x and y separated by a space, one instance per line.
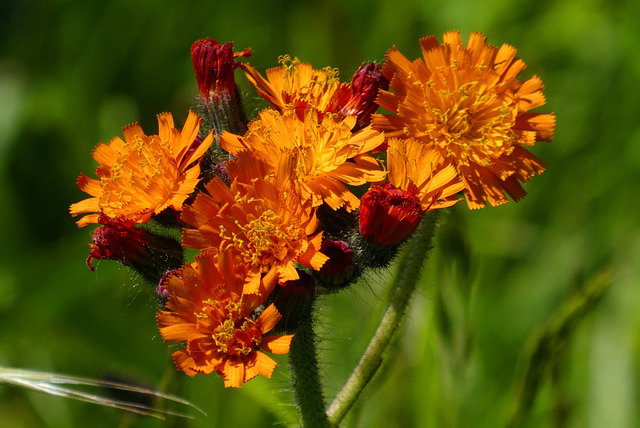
pixel 272 204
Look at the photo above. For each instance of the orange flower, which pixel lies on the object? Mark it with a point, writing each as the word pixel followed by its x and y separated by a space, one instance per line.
pixel 297 85
pixel 321 157
pixel 259 222
pixel 207 310
pixel 143 175
pixel 417 169
pixel 467 103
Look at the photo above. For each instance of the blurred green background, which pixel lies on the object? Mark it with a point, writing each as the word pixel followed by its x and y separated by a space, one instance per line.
pixel 73 73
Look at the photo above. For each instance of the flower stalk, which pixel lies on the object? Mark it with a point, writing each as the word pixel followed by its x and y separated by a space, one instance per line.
pixel 307 386
pixel 403 287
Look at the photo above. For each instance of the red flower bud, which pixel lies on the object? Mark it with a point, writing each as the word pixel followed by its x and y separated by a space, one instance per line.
pixel 388 215
pixel 294 300
pixel 214 64
pixel 149 254
pixel 365 84
pixel 340 261
pixel 162 289
pixel 222 172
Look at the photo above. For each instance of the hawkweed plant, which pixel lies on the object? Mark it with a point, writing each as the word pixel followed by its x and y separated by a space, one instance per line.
pixel 271 204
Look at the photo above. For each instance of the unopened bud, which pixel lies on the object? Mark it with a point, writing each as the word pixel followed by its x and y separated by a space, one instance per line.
pixel 340 270
pixel 294 300
pixel 148 254
pixel 214 64
pixel 221 105
pixel 388 215
pixel 162 289
pixel 222 172
pixel 365 84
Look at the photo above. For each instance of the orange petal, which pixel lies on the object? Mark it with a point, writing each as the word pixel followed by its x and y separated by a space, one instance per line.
pixel 183 361
pixel 165 126
pixel 265 364
pixel 87 220
pixel 89 185
pixel 177 332
pixel 252 283
pixel 132 131
pixel 268 319
pixel 233 371
pixel 277 344
pixel 89 205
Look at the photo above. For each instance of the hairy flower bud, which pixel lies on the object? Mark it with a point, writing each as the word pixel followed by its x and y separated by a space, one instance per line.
pixel 340 258
pixel 388 215
pixel 220 102
pixel 294 300
pixel 365 84
pixel 214 64
pixel 162 289
pixel 148 254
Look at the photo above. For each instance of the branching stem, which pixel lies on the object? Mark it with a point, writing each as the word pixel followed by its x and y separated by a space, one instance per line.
pixel 403 287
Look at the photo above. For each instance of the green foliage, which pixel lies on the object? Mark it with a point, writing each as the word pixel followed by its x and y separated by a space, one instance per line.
pixel 73 73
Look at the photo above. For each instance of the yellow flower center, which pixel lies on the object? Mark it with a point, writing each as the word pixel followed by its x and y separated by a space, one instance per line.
pixel 143 177
pixel 264 240
pixel 301 83
pixel 236 335
pixel 470 120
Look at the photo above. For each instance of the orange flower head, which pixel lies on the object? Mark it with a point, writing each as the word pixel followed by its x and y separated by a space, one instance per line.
pixel 259 221
pixel 207 309
pixel 468 104
pixel 418 169
pixel 299 86
pixel 143 175
pixel 321 157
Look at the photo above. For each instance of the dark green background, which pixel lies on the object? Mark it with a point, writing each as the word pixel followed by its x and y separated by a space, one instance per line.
pixel 73 73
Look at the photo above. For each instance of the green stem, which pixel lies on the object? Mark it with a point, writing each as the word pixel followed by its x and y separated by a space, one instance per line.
pixel 403 287
pixel 303 358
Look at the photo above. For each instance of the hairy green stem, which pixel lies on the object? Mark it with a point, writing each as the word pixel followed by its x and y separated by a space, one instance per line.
pixel 403 287
pixel 307 387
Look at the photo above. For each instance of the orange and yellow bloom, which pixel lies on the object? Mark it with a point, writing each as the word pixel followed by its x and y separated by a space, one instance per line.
pixel 143 175
pixel 321 157
pixel 419 182
pixel 417 169
pixel 467 103
pixel 300 87
pixel 260 222
pixel 207 310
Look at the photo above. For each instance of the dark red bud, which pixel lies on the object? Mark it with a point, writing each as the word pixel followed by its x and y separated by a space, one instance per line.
pixel 214 64
pixel 340 261
pixel 149 254
pixel 388 215
pixel 162 290
pixel 365 84
pixel 222 172
pixel 294 300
